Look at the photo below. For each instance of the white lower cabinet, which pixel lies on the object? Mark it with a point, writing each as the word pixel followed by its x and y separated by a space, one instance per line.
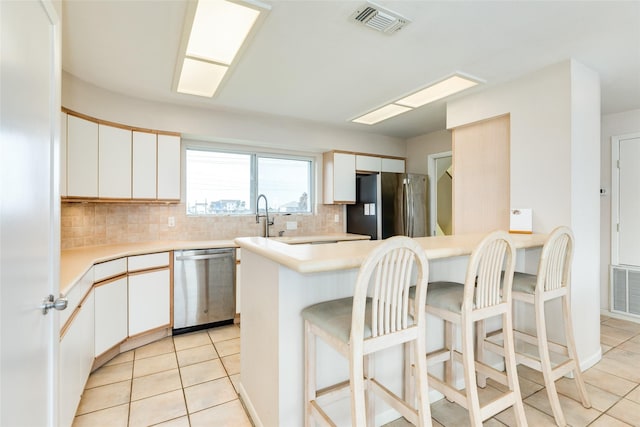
pixel 149 300
pixel 111 314
pixel 76 359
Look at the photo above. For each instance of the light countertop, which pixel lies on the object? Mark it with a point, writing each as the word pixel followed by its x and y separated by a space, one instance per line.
pixel 74 263
pixel 351 254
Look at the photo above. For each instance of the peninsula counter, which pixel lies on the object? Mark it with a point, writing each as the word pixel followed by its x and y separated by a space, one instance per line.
pixel 279 280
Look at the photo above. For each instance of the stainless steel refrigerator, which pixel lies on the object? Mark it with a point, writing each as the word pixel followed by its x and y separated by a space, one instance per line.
pixel 390 204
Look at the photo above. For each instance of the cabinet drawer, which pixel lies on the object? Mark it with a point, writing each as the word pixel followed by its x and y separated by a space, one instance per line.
pixel 75 295
pixel 106 270
pixel 145 262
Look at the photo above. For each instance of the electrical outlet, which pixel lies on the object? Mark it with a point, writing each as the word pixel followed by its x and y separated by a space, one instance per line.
pixel 172 221
pixel 292 225
pixel 336 218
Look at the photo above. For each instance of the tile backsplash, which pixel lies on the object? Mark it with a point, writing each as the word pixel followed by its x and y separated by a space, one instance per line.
pixel 89 224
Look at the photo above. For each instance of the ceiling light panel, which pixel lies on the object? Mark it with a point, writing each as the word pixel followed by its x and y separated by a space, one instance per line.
pixel 381 114
pixel 219 29
pixel 437 91
pixel 200 78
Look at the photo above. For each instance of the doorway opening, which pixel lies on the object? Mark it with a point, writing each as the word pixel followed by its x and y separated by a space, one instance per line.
pixel 440 173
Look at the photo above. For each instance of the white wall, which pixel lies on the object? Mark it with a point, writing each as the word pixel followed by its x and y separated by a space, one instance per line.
pixel 420 147
pixel 618 124
pixel 223 125
pixel 555 116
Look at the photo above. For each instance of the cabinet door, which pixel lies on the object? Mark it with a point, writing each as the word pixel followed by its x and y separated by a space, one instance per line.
pixel 76 360
pixel 114 162
pixel 392 165
pixel 63 154
pixel 149 301
pixel 339 178
pixel 168 167
pixel 82 157
pixel 368 163
pixel 344 176
pixel 111 314
pixel 144 165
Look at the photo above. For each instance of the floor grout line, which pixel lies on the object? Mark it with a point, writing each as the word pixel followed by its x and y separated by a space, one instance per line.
pixel 188 415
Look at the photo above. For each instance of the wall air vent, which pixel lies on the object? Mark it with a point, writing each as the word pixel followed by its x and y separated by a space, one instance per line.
pixel 378 18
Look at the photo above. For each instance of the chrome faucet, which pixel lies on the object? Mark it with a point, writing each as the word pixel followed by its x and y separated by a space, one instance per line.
pixel 267 223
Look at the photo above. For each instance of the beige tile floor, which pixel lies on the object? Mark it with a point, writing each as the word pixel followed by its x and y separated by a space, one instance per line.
pixel 191 380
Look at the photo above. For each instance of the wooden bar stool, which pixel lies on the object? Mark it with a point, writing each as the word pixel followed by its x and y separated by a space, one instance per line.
pixel 376 318
pixel 486 293
pixel 552 281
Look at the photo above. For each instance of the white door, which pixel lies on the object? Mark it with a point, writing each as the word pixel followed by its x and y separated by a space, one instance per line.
pixel 29 211
pixel 628 229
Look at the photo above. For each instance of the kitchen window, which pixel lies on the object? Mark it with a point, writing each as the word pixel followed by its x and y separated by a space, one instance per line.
pixel 225 183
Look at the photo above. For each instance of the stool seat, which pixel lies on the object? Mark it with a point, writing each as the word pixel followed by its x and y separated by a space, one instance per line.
pixel 525 283
pixel 444 295
pixel 335 316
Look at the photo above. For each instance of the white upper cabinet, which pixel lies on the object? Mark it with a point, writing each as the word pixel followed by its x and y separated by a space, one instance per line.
pixel 144 165
pixel 168 167
pixel 63 154
pixel 339 178
pixel 107 162
pixel 114 162
pixel 392 165
pixel 82 157
pixel 368 163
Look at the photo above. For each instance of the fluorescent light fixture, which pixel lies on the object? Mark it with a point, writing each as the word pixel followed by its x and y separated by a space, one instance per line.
pixel 216 30
pixel 381 114
pixel 219 29
pixel 442 89
pixel 200 78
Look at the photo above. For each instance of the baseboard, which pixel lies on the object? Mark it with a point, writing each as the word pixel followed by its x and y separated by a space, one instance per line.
pixel 246 402
pixel 620 316
pixel 590 361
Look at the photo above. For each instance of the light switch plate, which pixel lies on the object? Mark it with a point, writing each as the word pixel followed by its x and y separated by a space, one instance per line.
pixel 292 225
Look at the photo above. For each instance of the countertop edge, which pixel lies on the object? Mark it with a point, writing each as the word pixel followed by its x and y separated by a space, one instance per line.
pixel 347 255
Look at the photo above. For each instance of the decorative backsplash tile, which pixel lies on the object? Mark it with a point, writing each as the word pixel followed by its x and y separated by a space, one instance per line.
pixel 90 224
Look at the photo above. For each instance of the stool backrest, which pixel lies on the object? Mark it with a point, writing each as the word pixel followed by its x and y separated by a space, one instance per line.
pixel 484 285
pixel 386 276
pixel 554 269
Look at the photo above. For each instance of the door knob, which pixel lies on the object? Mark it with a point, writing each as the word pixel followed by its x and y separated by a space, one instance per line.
pixel 51 302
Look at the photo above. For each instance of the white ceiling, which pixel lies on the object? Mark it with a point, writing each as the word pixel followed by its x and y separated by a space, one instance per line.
pixel 309 61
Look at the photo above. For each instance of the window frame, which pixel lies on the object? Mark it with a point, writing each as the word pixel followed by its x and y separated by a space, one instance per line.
pixel 253 190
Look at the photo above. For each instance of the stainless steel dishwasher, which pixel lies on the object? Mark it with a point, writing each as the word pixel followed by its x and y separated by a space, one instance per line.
pixel 203 289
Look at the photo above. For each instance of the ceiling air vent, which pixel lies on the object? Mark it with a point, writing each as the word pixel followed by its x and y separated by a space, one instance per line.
pixel 378 18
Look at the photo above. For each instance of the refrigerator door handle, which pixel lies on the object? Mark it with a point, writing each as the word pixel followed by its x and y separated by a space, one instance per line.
pixel 405 205
pixel 410 210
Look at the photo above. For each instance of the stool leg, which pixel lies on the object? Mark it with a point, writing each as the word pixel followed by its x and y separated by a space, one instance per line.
pixel 468 362
pixel 369 396
pixel 481 335
pixel 573 354
pixel 309 373
pixel 449 340
pixel 511 367
pixel 545 362
pixel 356 374
pixel 409 372
pixel 424 409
